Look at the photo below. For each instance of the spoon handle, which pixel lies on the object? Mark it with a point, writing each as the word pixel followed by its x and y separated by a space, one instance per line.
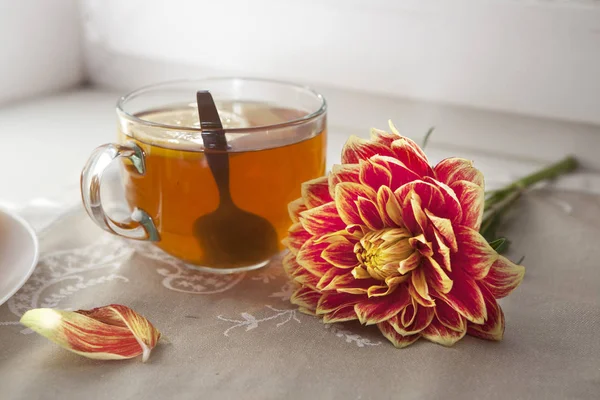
pixel 215 143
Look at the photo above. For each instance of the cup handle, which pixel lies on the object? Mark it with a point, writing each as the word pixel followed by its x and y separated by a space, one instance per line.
pixel 140 226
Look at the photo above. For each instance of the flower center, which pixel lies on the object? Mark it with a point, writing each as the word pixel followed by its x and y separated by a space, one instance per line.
pixel 380 253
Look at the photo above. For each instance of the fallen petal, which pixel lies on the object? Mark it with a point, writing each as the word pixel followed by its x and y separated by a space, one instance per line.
pixel 106 333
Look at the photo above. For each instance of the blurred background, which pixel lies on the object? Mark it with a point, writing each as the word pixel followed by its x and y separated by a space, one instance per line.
pixel 513 79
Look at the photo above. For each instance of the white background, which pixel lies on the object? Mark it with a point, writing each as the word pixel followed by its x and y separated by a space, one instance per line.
pixel 532 57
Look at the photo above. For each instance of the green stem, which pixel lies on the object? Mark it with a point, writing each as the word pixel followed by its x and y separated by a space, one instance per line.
pixel 498 202
pixel 565 165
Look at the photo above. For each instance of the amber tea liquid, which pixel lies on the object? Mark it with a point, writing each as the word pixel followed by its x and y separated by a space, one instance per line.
pixel 178 186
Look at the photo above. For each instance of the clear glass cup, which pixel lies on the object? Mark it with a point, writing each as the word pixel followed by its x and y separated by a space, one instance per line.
pixel 276 140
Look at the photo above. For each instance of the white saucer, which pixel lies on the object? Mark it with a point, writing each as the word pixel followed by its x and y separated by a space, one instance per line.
pixel 19 252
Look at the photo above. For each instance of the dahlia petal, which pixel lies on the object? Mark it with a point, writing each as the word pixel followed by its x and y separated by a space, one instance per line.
pixel 305 297
pixel 438 333
pixel 309 257
pixel 436 276
pixel 298 274
pixel 422 318
pixel 322 220
pixel 472 200
pixel 405 151
pixel 333 278
pixel 421 244
pixel 391 283
pixel 307 311
pixel 383 137
pixel 374 175
pixel 360 273
pixel 410 263
pixel 389 207
pixel 346 194
pixel 397 339
pixel 408 315
pixel 400 174
pixel 475 255
pixel 503 277
pixel 343 173
pixel 449 317
pixel 296 238
pixel 414 145
pixel 445 229
pixel 369 214
pixel 340 253
pixel 379 309
pixel 419 284
pixel 342 314
pixel 450 208
pixel 379 290
pixel 451 170
pixel 418 213
pixel 112 332
pixel 316 192
pixel 425 194
pixel 357 149
pixel 493 327
pixel 290 265
pixel 329 302
pixel 356 231
pixel 466 298
pixel 442 251
pixel 295 208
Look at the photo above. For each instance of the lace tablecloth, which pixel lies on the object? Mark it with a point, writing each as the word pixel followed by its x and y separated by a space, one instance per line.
pixel 237 336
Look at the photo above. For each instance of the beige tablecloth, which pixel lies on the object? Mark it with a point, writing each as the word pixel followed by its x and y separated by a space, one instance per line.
pixel 238 336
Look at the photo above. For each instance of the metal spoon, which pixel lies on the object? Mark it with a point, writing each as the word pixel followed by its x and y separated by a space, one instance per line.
pixel 230 236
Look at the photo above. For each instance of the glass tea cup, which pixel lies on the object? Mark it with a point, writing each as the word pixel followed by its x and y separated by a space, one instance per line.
pixel 276 140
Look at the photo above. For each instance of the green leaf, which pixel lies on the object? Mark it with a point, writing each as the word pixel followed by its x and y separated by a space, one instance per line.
pixel 500 245
pixel 426 138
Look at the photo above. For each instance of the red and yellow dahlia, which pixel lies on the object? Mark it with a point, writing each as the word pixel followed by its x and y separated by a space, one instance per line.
pixel 389 240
